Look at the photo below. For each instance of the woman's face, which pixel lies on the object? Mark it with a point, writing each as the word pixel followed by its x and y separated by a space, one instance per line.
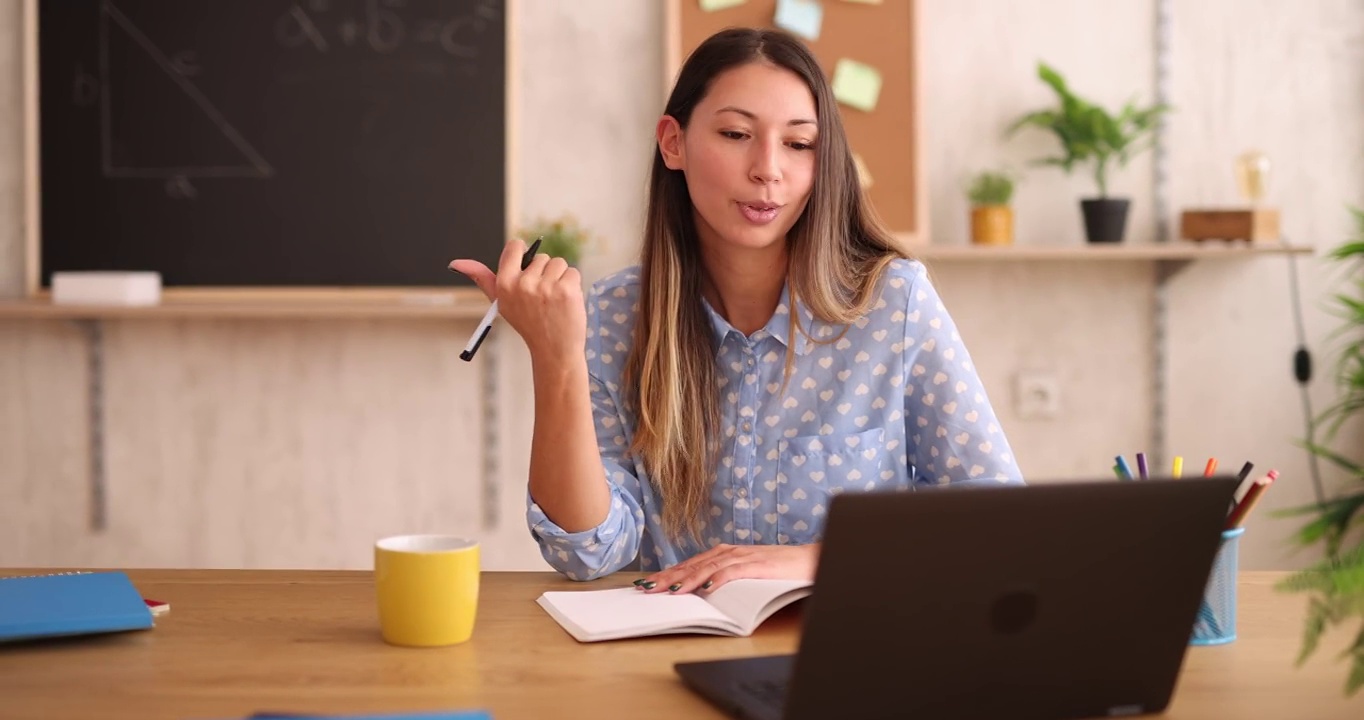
pixel 748 155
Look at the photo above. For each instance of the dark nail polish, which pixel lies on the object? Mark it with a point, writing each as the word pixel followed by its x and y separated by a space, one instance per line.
pixel 649 585
pixel 639 582
pixel 674 587
pixel 706 585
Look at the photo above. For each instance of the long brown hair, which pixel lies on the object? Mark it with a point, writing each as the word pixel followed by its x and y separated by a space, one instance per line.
pixel 838 250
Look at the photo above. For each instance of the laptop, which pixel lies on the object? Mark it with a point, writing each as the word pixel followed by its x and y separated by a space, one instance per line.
pixel 1066 600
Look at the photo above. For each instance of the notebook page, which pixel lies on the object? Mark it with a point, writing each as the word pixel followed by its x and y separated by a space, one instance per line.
pixel 751 601
pixel 627 612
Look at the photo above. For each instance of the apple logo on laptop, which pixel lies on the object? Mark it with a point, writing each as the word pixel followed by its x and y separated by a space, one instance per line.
pixel 1012 612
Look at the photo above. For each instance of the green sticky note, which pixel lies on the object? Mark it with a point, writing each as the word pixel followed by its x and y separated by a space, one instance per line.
pixel 713 5
pixel 857 84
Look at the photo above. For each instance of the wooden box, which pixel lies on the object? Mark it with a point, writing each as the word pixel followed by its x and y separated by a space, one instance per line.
pixel 1254 225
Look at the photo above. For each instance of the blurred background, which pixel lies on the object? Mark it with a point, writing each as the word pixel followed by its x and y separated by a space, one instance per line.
pixel 297 441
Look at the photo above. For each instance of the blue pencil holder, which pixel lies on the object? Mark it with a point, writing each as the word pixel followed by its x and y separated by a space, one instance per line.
pixel 1216 621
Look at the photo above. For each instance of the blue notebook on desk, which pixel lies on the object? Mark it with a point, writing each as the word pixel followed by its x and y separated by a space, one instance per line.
pixel 439 715
pixel 83 603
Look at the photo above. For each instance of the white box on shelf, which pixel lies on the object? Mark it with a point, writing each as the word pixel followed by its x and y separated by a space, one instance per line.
pixel 103 287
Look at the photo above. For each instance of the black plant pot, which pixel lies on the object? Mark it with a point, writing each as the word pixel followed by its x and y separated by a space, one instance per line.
pixel 1105 219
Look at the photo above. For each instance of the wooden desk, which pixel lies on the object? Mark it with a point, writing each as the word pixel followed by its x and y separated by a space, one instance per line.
pixel 238 642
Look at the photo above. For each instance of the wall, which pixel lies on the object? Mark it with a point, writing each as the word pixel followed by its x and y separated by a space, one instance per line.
pixel 296 443
pixel 1288 81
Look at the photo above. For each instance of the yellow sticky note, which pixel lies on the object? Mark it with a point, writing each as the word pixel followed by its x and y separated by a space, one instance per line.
pixel 863 175
pixel 857 84
pixel 713 5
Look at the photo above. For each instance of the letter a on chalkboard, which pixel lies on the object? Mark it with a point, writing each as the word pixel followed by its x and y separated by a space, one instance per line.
pixel 155 122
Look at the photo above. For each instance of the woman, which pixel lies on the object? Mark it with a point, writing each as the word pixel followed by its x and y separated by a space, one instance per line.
pixel 773 348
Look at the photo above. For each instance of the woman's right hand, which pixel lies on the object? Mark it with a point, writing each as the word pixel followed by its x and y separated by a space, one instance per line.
pixel 543 303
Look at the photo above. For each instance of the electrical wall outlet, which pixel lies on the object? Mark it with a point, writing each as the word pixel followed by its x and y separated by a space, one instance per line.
pixel 1037 395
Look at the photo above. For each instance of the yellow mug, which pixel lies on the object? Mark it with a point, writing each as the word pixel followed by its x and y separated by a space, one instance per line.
pixel 427 587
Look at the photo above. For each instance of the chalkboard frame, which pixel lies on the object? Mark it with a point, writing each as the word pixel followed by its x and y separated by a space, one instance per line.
pixel 907 47
pixel 325 298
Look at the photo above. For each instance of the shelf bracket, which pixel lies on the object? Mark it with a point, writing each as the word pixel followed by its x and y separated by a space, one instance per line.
pixel 94 360
pixel 490 419
pixel 1168 268
pixel 1165 269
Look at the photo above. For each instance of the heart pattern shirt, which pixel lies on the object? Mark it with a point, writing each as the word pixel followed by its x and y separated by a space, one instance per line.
pixel 890 402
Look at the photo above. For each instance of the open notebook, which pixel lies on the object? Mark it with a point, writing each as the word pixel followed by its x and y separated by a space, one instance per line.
pixel 736 608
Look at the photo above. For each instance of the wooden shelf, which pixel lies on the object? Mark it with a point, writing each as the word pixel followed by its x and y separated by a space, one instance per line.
pixel 425 306
pixel 467 304
pixel 1182 250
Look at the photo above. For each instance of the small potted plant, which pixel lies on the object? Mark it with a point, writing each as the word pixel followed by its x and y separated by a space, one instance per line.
pixel 562 237
pixel 1090 134
pixel 992 220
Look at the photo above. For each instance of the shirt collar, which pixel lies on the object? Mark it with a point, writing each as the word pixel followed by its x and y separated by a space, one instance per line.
pixel 779 326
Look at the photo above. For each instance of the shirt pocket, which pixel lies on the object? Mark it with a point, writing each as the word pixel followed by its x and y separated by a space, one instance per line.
pixel 813 468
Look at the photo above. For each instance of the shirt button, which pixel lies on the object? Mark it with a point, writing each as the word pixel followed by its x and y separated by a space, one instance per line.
pixel 748 426
pixel 750 362
pixel 743 492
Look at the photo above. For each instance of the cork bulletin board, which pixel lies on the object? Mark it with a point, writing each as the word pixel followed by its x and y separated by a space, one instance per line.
pixel 879 35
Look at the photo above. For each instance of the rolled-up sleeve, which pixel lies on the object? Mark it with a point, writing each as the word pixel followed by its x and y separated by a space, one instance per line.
pixel 600 551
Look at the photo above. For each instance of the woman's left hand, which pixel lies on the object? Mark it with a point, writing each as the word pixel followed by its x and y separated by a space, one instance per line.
pixel 710 570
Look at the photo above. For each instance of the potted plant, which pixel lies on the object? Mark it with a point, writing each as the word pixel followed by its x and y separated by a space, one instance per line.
pixel 562 237
pixel 992 220
pixel 1336 584
pixel 1090 134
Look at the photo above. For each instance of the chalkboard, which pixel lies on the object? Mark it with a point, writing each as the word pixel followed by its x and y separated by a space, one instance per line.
pixel 271 143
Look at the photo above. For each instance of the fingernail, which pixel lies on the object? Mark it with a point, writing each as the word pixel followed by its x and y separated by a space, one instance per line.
pixel 455 271
pixel 639 582
pixel 674 587
pixel 706 585
pixel 649 585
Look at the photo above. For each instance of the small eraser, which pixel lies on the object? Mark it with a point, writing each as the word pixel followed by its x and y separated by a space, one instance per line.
pixel 104 287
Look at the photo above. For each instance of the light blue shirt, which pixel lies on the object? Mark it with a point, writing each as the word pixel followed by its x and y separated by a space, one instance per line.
pixel 892 404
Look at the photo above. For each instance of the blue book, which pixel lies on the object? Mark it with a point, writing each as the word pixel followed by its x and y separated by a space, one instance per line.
pixel 439 715
pixel 84 603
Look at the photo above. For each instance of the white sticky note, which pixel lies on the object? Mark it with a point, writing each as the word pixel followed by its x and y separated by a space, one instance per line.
pixel 802 17
pixel 857 84
pixel 713 5
pixel 863 175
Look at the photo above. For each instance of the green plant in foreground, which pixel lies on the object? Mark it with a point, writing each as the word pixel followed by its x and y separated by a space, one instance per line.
pixel 1336 584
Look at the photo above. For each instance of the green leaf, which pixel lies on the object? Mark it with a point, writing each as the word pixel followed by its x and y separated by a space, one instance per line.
pixel 1334 457
pixel 1312 579
pixel 1053 79
pixel 1355 680
pixel 1313 629
pixel 1045 119
pixel 1351 304
pixel 1347 251
pixel 1334 576
pixel 1333 521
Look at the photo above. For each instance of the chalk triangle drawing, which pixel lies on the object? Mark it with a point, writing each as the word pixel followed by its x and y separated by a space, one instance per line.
pixel 161 130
